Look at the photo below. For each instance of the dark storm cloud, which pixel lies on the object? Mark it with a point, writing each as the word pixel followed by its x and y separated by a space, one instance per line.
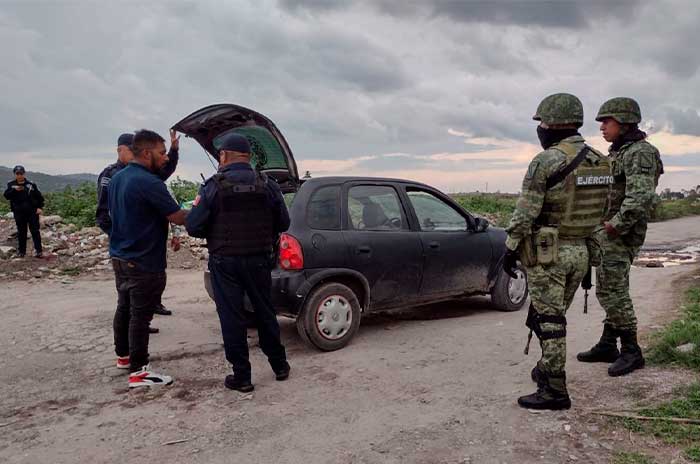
pixel 356 61
pixel 545 13
pixel 341 79
pixel 313 5
pixel 550 13
pixel 685 121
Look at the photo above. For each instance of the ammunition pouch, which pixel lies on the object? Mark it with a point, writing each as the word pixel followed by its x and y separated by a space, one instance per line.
pixel 527 252
pixel 534 321
pixel 540 248
pixel 546 242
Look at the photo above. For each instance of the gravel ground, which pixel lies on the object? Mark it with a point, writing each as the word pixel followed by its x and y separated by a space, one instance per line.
pixel 436 384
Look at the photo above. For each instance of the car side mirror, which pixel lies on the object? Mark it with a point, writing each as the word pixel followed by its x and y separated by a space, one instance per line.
pixel 480 224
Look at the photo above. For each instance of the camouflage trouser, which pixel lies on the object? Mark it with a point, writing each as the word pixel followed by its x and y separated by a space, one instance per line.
pixel 613 282
pixel 552 289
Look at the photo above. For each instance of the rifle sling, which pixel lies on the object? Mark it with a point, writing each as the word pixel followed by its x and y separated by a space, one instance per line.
pixel 560 175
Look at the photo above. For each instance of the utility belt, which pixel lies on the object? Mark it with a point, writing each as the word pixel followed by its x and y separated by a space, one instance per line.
pixel 542 246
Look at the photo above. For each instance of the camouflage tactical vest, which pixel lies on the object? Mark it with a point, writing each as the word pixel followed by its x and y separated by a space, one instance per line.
pixel 244 223
pixel 577 204
pixel 617 195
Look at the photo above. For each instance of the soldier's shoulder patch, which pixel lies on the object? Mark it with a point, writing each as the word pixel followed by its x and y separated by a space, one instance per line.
pixel 643 160
pixel 532 170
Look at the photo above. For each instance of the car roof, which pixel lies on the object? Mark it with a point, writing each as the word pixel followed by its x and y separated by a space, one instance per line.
pixel 346 179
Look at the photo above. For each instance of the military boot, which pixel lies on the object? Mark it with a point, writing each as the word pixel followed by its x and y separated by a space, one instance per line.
pixel 603 351
pixel 538 376
pixel 631 357
pixel 551 394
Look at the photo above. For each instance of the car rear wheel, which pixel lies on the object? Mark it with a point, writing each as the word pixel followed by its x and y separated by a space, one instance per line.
pixel 330 317
pixel 510 294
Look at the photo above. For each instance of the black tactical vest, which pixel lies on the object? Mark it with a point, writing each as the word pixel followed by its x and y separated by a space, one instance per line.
pixel 244 223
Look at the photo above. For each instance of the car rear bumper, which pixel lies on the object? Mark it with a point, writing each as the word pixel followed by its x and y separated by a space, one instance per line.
pixel 285 285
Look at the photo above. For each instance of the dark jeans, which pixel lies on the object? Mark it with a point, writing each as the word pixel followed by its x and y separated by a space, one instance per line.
pixel 138 293
pixel 232 277
pixel 32 221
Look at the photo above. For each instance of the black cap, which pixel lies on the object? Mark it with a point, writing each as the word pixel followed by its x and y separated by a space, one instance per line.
pixel 125 139
pixel 18 169
pixel 232 142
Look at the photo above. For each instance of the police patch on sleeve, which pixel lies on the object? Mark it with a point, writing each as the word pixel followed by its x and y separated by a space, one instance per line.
pixel 196 200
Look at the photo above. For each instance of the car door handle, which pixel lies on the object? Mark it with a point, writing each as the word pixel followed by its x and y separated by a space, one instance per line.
pixel 434 245
pixel 363 249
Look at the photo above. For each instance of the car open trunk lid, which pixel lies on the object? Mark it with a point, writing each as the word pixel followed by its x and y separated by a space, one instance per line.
pixel 270 151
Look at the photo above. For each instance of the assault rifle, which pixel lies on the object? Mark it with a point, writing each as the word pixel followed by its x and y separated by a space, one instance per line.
pixel 586 285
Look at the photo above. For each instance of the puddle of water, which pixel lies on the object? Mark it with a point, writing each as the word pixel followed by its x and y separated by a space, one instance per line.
pixel 665 258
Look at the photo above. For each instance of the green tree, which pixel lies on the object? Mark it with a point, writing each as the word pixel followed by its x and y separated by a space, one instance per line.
pixel 183 189
pixel 75 205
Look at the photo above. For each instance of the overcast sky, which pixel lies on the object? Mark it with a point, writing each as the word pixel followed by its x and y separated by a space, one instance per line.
pixel 441 92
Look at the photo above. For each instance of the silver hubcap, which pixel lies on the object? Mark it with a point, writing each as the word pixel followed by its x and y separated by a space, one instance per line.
pixel 334 317
pixel 517 287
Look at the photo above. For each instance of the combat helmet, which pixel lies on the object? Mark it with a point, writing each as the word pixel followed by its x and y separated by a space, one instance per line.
pixel 622 109
pixel 560 108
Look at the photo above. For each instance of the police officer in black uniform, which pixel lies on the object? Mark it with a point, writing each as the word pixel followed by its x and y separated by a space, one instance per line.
pixel 26 202
pixel 124 157
pixel 241 212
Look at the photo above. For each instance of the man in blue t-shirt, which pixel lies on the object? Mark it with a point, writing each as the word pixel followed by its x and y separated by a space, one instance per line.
pixel 124 156
pixel 141 209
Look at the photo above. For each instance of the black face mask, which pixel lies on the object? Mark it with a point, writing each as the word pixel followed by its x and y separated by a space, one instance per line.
pixel 549 137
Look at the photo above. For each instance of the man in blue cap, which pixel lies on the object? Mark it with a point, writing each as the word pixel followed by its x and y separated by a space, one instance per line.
pixel 241 212
pixel 26 202
pixel 124 157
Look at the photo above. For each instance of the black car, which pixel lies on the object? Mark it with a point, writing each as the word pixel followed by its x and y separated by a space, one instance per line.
pixel 359 244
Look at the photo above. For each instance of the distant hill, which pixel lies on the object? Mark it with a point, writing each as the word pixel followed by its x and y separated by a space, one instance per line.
pixel 47 182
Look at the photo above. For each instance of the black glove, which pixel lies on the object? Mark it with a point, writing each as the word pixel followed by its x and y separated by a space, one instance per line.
pixel 586 283
pixel 510 263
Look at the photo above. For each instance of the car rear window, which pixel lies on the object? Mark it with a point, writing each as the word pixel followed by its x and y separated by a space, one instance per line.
pixel 323 210
pixel 265 151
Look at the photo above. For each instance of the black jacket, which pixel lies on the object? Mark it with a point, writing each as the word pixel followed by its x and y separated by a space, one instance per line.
pixel 26 201
pixel 102 214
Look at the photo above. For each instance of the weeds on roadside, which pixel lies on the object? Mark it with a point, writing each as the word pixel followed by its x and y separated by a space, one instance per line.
pixel 70 271
pixel 693 453
pixel 623 457
pixel 499 205
pixel 672 209
pixel 686 404
pixel 682 331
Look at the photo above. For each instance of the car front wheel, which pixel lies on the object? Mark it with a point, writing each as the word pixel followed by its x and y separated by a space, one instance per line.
pixel 330 317
pixel 510 294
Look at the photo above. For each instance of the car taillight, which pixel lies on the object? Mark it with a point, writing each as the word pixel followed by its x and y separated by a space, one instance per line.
pixel 291 254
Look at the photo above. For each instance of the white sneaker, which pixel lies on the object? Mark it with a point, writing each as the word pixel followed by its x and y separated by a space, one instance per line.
pixel 147 378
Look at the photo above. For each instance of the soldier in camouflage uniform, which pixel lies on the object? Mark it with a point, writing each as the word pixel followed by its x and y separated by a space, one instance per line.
pixel 636 169
pixel 564 194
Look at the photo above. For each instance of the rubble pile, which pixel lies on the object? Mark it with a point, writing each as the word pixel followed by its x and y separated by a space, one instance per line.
pixel 71 251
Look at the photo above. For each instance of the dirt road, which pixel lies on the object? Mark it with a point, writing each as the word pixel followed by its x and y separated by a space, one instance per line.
pixel 425 385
